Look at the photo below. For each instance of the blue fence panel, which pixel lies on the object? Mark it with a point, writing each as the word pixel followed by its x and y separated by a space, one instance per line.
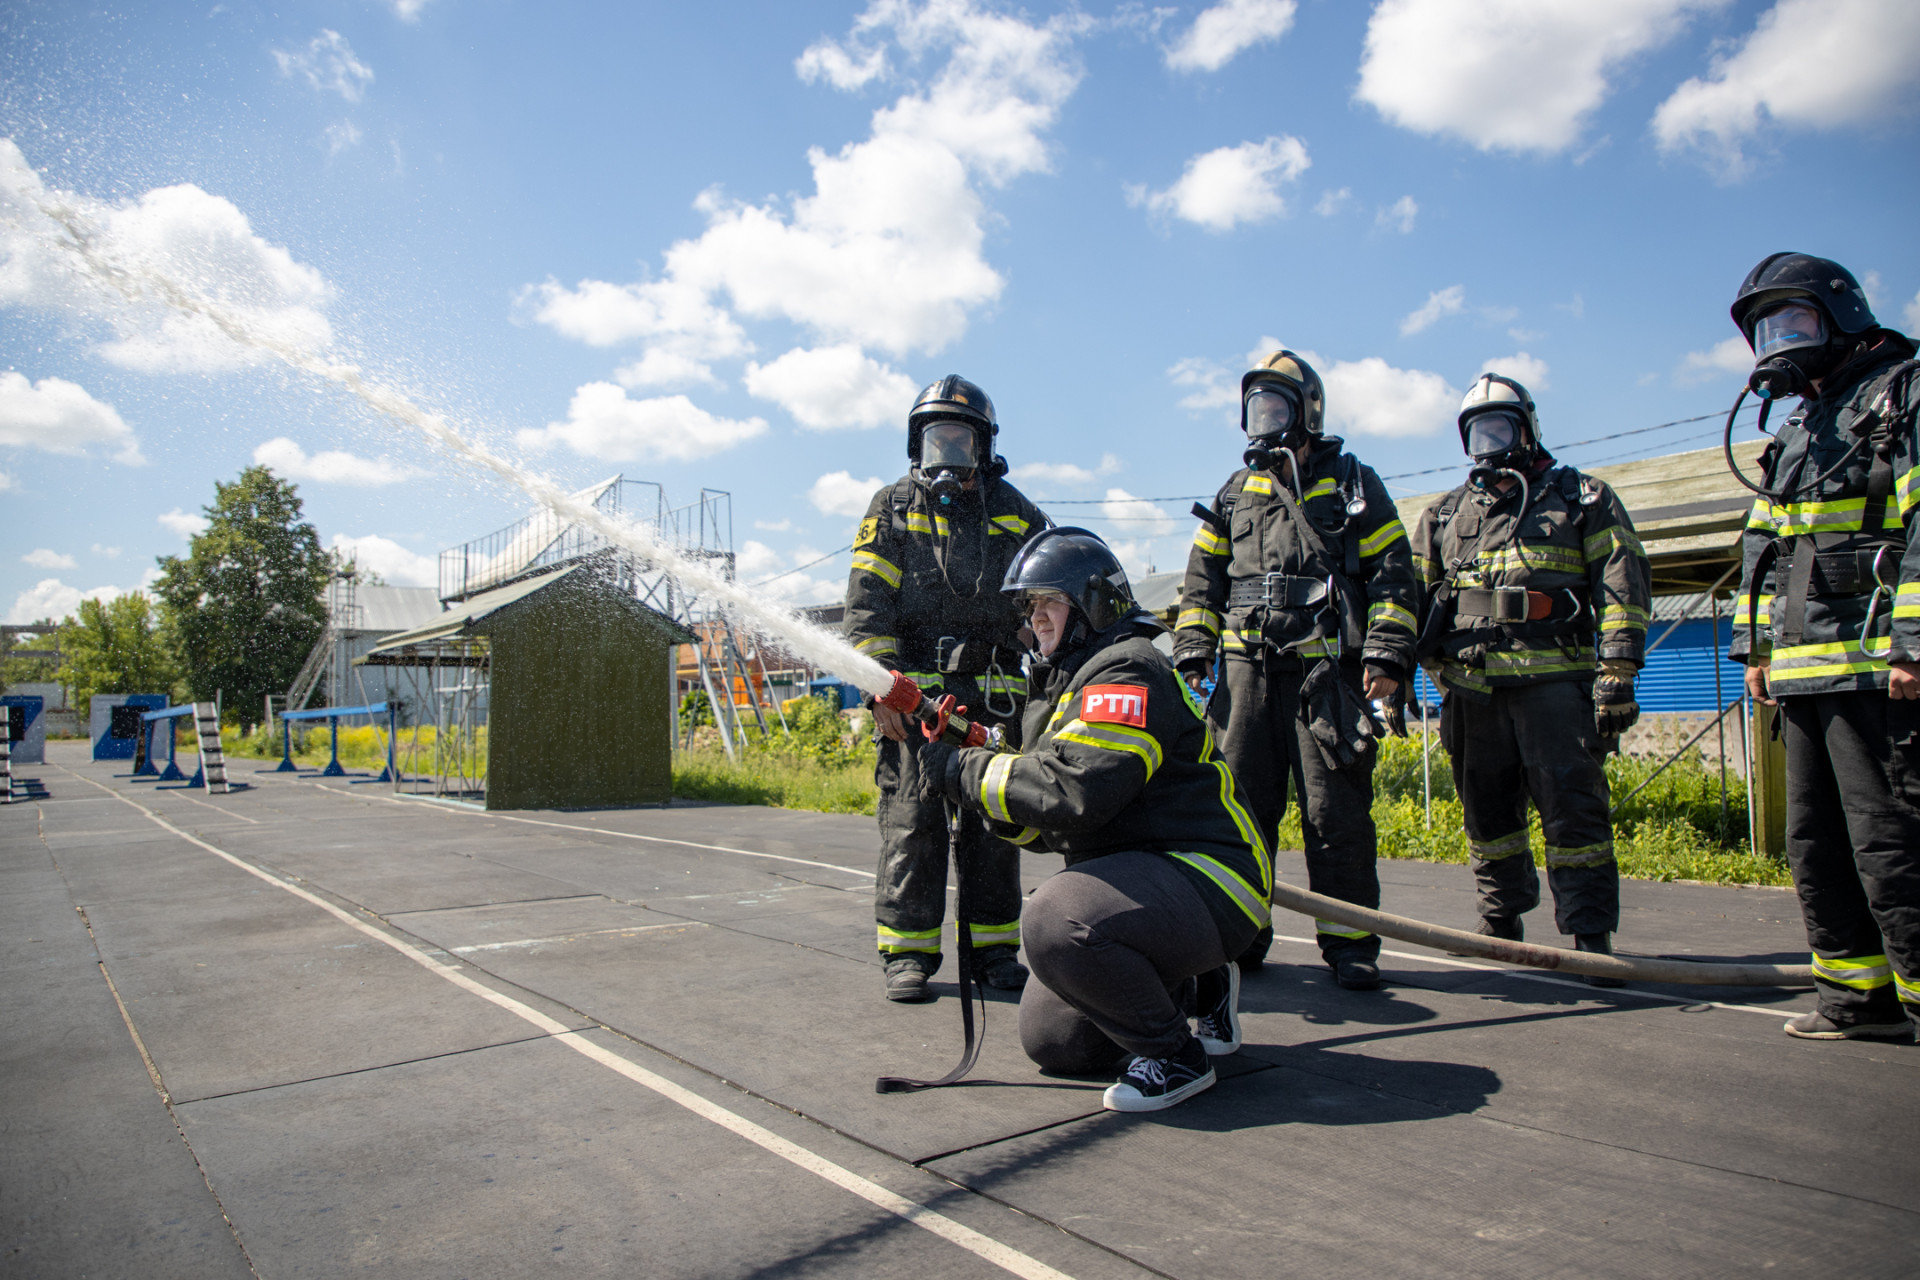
pixel 1679 674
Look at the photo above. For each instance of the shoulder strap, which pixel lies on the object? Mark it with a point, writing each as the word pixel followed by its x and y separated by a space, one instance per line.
pixel 1879 423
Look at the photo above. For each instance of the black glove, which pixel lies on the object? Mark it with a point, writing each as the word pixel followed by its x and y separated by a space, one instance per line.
pixel 1614 709
pixel 939 772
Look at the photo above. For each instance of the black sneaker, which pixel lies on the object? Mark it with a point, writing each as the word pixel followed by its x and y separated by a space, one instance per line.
pixel 907 979
pixel 1599 944
pixel 1000 968
pixel 1154 1084
pixel 1356 974
pixel 1818 1026
pixel 1217 1027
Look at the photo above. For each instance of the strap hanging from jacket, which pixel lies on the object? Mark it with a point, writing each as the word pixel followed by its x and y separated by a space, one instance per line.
pixel 1790 614
pixel 961 838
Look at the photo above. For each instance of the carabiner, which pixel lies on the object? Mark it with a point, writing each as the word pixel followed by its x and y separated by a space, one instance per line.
pixel 1882 590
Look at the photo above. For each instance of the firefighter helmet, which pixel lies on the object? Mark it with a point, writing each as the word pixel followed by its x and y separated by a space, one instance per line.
pixel 1077 564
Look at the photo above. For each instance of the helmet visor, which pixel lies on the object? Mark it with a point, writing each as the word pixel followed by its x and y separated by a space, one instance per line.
pixel 1271 410
pixel 1786 326
pixel 1494 432
pixel 947 444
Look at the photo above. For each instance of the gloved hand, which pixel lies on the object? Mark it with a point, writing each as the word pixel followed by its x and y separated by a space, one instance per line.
pixel 1614 710
pixel 1196 671
pixel 939 772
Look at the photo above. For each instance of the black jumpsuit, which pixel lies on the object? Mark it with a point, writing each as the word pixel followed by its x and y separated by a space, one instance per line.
pixel 924 598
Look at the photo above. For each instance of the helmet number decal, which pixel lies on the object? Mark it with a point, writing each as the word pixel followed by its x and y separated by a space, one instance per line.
pixel 1114 704
pixel 869 532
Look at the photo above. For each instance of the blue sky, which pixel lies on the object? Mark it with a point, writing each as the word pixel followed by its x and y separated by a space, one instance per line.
pixel 722 245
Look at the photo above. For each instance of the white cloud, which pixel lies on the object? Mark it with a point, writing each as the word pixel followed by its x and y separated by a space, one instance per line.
pixel 1064 473
pixel 111 553
pixel 60 417
pixel 1399 215
pixel 1529 371
pixel 1446 302
pixel 1807 64
pixel 774 526
pixel 52 598
pixel 887 252
pixel 45 559
pixel 6 482
pixel 662 366
pixel 1370 397
pixel 408 10
pixel 199 245
pixel 1215 387
pixel 328 64
pixel 1137 515
pixel 393 562
pixel 757 565
pixel 603 423
pixel 184 524
pixel 1332 202
pixel 1513 75
pixel 830 387
pixel 1913 315
pixel 330 466
pixel 1230 185
pixel 1730 355
pixel 838 494
pixel 340 136
pixel 1226 29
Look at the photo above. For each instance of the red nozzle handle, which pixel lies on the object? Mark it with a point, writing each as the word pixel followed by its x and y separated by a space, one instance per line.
pixel 904 697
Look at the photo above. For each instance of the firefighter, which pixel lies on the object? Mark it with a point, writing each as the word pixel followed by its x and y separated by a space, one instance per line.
pixel 1828 622
pixel 1301 574
pixel 1167 877
pixel 1522 566
pixel 923 597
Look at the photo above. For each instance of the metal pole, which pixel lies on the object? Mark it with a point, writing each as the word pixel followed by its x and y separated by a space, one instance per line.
pixel 1719 701
pixel 1426 761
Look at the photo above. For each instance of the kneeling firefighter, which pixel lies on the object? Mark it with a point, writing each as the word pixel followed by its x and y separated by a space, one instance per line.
pixel 1167 876
pixel 922 597
pixel 1300 572
pixel 1828 623
pixel 1522 565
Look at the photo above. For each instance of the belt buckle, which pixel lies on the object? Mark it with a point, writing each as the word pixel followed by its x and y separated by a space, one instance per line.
pixel 1267 586
pixel 1509 604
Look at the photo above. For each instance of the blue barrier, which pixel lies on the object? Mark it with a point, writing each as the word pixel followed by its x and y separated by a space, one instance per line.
pixel 172 772
pixel 332 716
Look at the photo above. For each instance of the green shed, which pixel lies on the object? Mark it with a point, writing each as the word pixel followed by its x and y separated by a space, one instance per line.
pixel 568 680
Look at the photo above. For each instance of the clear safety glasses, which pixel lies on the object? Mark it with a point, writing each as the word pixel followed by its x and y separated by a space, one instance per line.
pixel 1271 410
pixel 1789 325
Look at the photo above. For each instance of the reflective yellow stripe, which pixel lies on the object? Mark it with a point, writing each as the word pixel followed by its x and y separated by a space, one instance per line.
pixel 1862 973
pixel 1586 855
pixel 1205 619
pixel 1494 850
pixel 1814 661
pixel 1249 831
pixel 1115 737
pixel 1428 568
pixel 1906 601
pixel 1532 557
pixel 1209 542
pixel 1627 617
pixel 1538 662
pixel 1908 488
pixel 895 940
pixel 1242 893
pixel 995 935
pixel 874 646
pixel 1386 611
pixel 1010 524
pixel 1740 604
pixel 917 523
pixel 1014 685
pixel 1258 484
pixel 993 788
pixel 1335 929
pixel 1909 991
pixel 1607 541
pixel 1321 488
pixel 885 570
pixel 1382 538
pixel 1841 515
pixel 1025 836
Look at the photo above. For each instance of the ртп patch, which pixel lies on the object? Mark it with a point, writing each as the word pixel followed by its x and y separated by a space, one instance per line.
pixel 1114 704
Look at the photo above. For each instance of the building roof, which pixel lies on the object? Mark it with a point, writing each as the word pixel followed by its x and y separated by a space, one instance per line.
pixel 469 617
pixel 1686 507
pixel 382 610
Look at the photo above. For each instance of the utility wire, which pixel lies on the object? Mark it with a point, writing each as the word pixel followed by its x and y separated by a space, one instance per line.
pixel 797 568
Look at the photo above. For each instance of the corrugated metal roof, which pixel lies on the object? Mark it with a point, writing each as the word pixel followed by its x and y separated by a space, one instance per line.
pixel 382 610
pixel 1158 592
pixel 467 612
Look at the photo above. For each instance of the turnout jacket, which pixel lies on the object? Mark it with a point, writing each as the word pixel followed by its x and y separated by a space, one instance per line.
pixel 1119 755
pixel 1575 552
pixel 924 593
pixel 1251 533
pixel 1835 549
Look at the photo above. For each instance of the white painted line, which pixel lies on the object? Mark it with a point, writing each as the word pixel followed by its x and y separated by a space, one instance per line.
pixel 217 809
pixel 569 937
pixel 981 1246
pixel 1457 963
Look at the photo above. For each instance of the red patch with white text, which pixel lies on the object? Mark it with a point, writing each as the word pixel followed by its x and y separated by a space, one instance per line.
pixel 1114 704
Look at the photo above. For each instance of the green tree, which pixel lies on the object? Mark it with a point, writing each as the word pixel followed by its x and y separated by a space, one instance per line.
pixel 115 646
pixel 245 606
pixel 18 670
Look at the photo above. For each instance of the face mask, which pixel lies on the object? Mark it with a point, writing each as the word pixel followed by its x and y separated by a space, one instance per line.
pixel 947 460
pixel 1272 422
pixel 1494 434
pixel 1791 350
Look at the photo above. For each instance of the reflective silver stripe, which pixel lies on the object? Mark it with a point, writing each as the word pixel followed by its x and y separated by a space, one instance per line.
pixel 993 788
pixel 1339 930
pixel 1504 847
pixel 995 935
pixel 1909 991
pixel 894 940
pixel 1587 855
pixel 1239 890
pixel 1864 973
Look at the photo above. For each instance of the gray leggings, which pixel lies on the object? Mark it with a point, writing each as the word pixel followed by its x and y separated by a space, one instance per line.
pixel 1111 941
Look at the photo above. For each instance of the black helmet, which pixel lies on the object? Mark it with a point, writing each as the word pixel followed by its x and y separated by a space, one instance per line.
pixel 1299 401
pixel 953 398
pixel 1797 275
pixel 1078 565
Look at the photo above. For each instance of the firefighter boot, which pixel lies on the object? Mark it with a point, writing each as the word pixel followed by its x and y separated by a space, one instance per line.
pixel 907 977
pixel 1600 944
pixel 1000 968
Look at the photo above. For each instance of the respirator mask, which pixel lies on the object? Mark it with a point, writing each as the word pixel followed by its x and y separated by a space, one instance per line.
pixel 948 460
pixel 1791 348
pixel 1273 423
pixel 1497 440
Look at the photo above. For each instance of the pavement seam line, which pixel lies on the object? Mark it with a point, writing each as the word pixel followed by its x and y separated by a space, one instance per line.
pixel 146 1059
pixel 982 1246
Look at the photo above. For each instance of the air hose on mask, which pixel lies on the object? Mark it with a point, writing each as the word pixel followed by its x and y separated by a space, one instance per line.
pixel 1557 959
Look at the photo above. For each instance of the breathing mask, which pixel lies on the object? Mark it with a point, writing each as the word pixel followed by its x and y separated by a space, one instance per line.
pixel 1273 423
pixel 948 460
pixel 1791 348
pixel 1498 441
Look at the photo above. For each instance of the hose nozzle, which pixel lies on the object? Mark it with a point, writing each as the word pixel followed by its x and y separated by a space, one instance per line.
pixel 940 720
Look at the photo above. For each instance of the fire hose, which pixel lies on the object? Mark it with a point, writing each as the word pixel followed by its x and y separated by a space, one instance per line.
pixel 944 722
